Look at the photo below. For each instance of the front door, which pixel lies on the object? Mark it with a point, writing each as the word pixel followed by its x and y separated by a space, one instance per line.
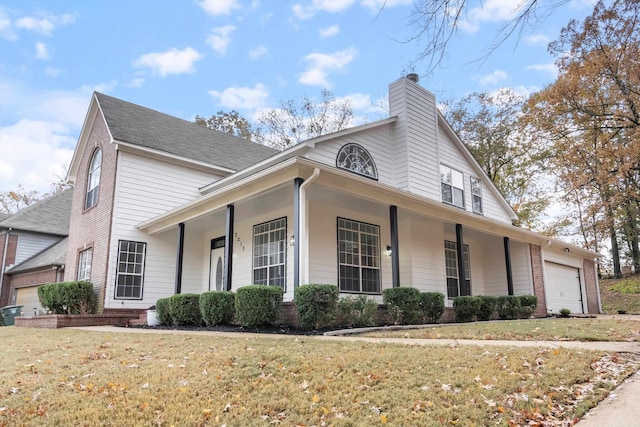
pixel 216 265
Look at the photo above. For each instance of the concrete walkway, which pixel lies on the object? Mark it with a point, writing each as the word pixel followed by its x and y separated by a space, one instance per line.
pixel 619 409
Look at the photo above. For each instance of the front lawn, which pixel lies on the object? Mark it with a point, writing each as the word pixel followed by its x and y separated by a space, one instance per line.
pixel 572 329
pixel 71 377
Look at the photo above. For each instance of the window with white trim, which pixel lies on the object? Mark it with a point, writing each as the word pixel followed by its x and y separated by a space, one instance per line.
pixel 476 195
pixel 451 267
pixel 356 158
pixel 130 273
pixel 452 183
pixel 270 253
pixel 358 257
pixel 84 265
pixel 93 179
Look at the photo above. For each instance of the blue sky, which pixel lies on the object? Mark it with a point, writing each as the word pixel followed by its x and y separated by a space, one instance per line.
pixel 197 57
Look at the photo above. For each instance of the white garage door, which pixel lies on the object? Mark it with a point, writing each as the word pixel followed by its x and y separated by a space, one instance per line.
pixel 562 287
pixel 28 299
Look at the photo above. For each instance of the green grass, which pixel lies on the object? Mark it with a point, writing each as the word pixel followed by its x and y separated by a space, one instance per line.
pixel 70 377
pixel 573 329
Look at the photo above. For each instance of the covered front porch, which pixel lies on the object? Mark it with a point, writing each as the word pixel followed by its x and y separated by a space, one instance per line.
pixel 302 222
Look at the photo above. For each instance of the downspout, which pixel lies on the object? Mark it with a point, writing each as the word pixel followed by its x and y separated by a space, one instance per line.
pixel 304 241
pixel 595 273
pixel 4 257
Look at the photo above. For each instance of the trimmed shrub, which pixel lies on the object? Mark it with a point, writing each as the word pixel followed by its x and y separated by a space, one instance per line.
pixel 486 307
pixel 432 305
pixel 508 307
pixel 528 304
pixel 185 309
pixel 258 304
pixel 67 297
pixel 217 307
pixel 565 312
pixel 317 305
pixel 466 308
pixel 403 305
pixel 356 311
pixel 164 313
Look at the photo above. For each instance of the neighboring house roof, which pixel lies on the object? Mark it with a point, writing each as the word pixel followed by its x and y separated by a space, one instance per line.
pixel 54 255
pixel 49 216
pixel 134 124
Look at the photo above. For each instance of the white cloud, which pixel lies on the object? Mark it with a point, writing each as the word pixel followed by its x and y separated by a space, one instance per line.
pixel 331 6
pixel 220 38
pixel 379 4
pixel 329 31
pixel 490 11
pixel 6 27
pixel 257 52
pixel 41 51
pixel 549 68
pixel 136 82
pixel 242 97
pixel 219 7
pixel 537 39
pixel 492 78
pixel 320 64
pixel 44 24
pixel 173 61
pixel 51 72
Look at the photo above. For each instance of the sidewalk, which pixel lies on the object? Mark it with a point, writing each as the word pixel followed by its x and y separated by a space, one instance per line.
pixel 619 409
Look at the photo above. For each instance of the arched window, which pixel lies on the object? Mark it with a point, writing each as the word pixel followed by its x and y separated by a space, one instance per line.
pixel 355 158
pixel 93 180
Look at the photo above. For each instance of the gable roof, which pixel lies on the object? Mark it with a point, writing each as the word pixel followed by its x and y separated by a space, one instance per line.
pixel 54 255
pixel 144 127
pixel 50 215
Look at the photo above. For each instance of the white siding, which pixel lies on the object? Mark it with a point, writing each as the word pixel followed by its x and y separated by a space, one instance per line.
pixel 521 268
pixel 426 239
pixel 146 188
pixel 30 244
pixel 493 268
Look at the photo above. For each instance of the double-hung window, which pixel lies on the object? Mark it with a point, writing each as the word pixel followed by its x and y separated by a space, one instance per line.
pixel 476 195
pixel 452 184
pixel 269 253
pixel 358 257
pixel 454 289
pixel 84 265
pixel 129 276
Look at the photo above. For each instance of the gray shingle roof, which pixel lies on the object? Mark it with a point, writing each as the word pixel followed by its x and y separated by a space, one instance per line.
pixel 151 129
pixel 50 215
pixel 53 255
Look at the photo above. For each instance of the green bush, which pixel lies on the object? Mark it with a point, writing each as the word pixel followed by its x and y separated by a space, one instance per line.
pixel 317 305
pixel 185 309
pixel 565 312
pixel 356 311
pixel 164 313
pixel 432 305
pixel 403 305
pixel 486 307
pixel 258 304
pixel 508 307
pixel 67 297
pixel 528 304
pixel 466 308
pixel 217 307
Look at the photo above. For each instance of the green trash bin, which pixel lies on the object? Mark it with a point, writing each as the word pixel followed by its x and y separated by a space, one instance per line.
pixel 9 313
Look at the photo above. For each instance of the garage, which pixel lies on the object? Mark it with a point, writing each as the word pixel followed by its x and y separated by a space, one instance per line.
pixel 562 287
pixel 28 299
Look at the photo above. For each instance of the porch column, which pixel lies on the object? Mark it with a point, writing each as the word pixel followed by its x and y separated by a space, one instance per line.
pixel 395 255
pixel 460 253
pixel 296 231
pixel 507 261
pixel 228 248
pixel 179 258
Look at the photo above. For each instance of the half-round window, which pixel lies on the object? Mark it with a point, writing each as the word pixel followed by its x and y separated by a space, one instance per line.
pixel 93 179
pixel 355 158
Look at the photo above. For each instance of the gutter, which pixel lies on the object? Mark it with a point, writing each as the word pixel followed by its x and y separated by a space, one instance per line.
pixel 4 257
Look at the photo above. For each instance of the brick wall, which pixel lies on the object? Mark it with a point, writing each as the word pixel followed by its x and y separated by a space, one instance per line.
pixel 92 228
pixel 36 277
pixel 589 270
pixel 538 280
pixel 12 247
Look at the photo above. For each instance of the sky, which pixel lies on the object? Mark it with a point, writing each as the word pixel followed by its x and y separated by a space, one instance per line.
pixel 198 57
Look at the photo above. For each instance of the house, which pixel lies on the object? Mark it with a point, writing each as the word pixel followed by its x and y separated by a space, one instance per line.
pixel 33 245
pixel 164 206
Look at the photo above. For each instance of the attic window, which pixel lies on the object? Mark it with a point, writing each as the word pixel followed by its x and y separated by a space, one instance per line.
pixel 355 158
pixel 93 180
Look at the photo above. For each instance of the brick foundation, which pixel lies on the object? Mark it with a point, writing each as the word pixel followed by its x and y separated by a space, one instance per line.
pixel 54 321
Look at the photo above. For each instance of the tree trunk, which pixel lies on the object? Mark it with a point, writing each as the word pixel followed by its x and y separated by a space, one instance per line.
pixel 615 253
